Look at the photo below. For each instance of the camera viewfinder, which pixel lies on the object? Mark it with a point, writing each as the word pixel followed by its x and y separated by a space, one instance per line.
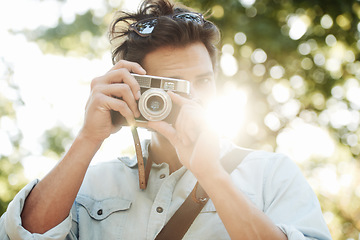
pixel 155 83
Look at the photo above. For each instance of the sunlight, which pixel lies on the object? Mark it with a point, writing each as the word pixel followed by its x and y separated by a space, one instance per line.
pixel 288 78
pixel 302 141
pixel 281 93
pixel 226 113
pixel 258 56
pixel 247 3
pixel 327 179
pixel 18 18
pixel 36 167
pixel 54 88
pixel 6 147
pixel 240 38
pixel 352 86
pixel 228 64
pixel 326 21
pixel 115 145
pixel 8 130
pixel 277 72
pixel 298 26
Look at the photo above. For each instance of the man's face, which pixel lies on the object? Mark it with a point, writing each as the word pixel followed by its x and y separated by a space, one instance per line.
pixel 190 63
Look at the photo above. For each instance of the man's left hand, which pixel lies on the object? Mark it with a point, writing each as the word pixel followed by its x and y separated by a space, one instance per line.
pixel 196 143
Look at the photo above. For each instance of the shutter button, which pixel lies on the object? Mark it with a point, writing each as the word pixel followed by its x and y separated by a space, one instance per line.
pixel 159 209
pixel 100 212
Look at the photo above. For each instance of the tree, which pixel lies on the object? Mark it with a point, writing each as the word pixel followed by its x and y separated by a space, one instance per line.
pixel 11 170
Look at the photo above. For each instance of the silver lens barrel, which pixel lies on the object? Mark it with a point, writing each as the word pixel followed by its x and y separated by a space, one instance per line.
pixel 155 104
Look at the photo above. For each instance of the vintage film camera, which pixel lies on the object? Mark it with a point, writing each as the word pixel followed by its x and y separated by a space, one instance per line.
pixel 155 104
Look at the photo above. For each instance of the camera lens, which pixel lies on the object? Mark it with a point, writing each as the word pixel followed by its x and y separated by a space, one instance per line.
pixel 155 103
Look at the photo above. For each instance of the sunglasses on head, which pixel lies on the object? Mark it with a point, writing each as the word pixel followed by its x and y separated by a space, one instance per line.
pixel 145 27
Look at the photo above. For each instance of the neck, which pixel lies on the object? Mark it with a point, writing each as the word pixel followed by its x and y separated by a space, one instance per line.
pixel 161 151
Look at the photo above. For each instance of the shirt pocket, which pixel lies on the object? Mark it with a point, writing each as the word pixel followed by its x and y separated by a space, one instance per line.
pixel 101 219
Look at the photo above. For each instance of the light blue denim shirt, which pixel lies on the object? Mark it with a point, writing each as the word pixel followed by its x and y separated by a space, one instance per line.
pixel 110 204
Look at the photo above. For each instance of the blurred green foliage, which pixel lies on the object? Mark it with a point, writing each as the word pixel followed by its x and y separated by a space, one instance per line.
pixel 319 67
pixel 85 36
pixel 56 140
pixel 11 171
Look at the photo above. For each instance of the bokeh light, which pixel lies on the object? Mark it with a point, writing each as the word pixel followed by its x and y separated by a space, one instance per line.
pixel 289 82
pixel 298 26
pixel 302 141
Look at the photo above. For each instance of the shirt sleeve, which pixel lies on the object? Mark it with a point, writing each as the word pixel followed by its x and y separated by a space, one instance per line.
pixel 290 202
pixel 11 225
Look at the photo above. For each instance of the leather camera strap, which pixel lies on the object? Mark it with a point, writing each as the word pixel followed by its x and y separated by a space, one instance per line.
pixel 140 159
pixel 181 221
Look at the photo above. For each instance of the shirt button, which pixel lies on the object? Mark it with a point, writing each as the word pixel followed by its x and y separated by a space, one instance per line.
pixel 159 209
pixel 162 176
pixel 100 212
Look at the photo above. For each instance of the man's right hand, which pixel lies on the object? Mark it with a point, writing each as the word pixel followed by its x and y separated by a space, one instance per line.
pixel 50 201
pixel 117 91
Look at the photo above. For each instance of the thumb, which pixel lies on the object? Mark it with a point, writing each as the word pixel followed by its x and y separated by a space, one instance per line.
pixel 165 129
pixel 206 150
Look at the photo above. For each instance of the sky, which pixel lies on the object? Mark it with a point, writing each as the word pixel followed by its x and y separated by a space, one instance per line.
pixel 49 84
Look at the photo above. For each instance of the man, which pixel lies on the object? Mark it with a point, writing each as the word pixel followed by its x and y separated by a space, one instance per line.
pixel 265 197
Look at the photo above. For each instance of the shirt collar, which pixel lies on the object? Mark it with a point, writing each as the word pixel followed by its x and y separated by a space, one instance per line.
pixel 225 146
pixel 132 162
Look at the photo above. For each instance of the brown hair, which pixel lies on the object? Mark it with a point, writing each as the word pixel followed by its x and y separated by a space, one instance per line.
pixel 128 45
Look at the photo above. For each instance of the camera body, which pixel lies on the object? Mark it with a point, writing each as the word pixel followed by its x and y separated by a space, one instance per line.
pixel 155 104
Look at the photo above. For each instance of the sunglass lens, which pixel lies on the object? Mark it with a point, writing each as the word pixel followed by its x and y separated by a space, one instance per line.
pixel 189 17
pixel 146 27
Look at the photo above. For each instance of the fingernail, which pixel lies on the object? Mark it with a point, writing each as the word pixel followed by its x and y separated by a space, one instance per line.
pixel 138 95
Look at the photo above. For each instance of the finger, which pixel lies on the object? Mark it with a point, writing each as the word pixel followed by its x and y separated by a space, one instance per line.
pixel 130 66
pixel 207 148
pixel 180 126
pixel 123 76
pixel 121 107
pixel 179 100
pixel 122 91
pixel 166 130
pixel 188 124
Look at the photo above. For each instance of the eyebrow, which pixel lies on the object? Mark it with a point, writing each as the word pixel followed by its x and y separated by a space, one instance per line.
pixel 206 74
